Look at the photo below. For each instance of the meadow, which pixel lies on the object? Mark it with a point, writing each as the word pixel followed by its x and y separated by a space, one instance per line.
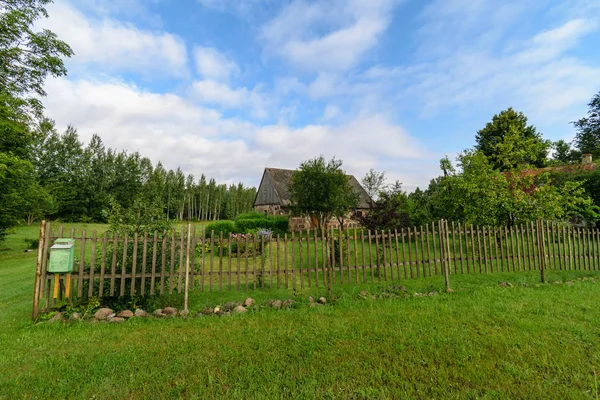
pixel 483 340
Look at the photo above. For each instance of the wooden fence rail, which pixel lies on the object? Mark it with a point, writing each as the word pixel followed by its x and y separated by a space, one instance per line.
pixel 114 265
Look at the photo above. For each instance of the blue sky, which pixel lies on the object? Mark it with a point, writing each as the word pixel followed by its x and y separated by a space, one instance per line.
pixel 228 87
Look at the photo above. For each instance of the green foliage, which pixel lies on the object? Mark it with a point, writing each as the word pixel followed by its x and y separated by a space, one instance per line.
pixel 389 211
pixel 141 218
pixel 278 224
pixel 509 143
pixel 218 227
pixel 482 195
pixel 250 215
pixel 374 183
pixel 587 137
pixel 564 154
pixel 32 243
pixel 320 189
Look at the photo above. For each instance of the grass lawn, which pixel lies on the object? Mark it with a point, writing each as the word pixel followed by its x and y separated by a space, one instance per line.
pixel 482 341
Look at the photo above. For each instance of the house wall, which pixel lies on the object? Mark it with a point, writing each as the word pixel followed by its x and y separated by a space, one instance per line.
pixel 298 223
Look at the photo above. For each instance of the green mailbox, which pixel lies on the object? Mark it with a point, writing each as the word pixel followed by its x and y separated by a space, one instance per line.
pixel 61 256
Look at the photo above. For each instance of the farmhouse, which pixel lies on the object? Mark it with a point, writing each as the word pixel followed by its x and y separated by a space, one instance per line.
pixel 273 197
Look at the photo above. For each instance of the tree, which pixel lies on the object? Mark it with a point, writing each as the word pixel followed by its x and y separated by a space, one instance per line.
pixel 485 196
pixel 587 137
pixel 27 58
pixel 373 182
pixel 390 211
pixel 564 153
pixel 321 190
pixel 509 143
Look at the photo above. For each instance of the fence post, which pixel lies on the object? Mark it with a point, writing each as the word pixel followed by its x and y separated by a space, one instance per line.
pixel 541 250
pixel 187 270
pixel 38 271
pixel 444 247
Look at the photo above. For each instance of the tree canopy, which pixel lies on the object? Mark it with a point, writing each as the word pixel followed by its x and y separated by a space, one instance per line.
pixel 320 190
pixel 587 136
pixel 508 142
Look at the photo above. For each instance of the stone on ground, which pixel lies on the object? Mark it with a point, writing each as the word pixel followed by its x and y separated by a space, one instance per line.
pixel 103 313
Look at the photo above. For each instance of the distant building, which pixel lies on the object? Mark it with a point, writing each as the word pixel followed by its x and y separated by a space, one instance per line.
pixel 273 198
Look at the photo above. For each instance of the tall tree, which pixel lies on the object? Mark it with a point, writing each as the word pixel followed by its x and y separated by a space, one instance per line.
pixel 509 143
pixel 28 57
pixel 587 137
pixel 320 190
pixel 374 183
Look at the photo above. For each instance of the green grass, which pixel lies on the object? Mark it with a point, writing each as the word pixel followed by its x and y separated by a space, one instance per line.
pixel 482 341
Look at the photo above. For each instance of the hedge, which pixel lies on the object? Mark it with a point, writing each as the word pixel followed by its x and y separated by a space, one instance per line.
pixel 278 224
pixel 227 227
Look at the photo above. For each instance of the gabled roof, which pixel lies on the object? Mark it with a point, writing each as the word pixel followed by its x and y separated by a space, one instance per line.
pixel 281 178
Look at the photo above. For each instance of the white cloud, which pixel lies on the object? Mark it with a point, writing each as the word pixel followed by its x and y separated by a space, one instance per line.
pixel 328 35
pixel 362 143
pixel 178 132
pixel 163 127
pixel 112 45
pixel 217 93
pixel 212 64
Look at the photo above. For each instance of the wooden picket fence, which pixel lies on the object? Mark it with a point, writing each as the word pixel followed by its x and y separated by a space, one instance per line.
pixel 110 265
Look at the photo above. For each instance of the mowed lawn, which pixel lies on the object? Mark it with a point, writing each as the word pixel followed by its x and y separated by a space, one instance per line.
pixel 482 341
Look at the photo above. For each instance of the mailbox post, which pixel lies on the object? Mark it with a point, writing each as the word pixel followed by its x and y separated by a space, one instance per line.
pixel 61 262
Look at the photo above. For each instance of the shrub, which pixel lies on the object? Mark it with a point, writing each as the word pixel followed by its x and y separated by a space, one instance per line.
pixel 277 224
pixel 250 215
pixel 32 243
pixel 226 227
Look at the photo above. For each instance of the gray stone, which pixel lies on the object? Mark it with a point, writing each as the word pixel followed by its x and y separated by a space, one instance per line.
pixel 216 310
pixel 240 310
pixel 249 302
pixel 184 313
pixel 140 313
pixel 159 313
pixel 56 318
pixel 170 311
pixel 75 316
pixel 505 284
pixel 207 311
pixel 125 314
pixel 117 320
pixel 277 304
pixel 111 316
pixel 229 306
pixel 570 283
pixel 311 299
pixel 322 300
pixel 103 313
pixel 364 293
pixel 288 303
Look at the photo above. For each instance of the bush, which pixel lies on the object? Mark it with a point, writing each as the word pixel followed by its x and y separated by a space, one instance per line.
pixel 32 244
pixel 277 224
pixel 250 215
pixel 226 227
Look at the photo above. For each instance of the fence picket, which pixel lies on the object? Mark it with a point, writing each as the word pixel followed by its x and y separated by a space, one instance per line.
pixel 163 263
pixel 134 263
pixel 92 266
pixel 124 263
pixel 144 255
pixel 81 265
pixel 113 268
pixel 102 265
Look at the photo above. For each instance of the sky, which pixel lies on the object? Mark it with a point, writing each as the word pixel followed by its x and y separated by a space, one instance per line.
pixel 229 87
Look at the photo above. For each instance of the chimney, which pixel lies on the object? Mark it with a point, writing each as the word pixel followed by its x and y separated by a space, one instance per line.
pixel 587 158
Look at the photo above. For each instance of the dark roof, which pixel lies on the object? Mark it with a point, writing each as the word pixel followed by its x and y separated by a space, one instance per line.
pixel 281 178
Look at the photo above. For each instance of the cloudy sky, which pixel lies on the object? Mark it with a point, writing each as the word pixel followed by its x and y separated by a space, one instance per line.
pixel 227 87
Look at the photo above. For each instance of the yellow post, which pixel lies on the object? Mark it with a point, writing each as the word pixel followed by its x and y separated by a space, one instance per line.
pixel 68 286
pixel 56 284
